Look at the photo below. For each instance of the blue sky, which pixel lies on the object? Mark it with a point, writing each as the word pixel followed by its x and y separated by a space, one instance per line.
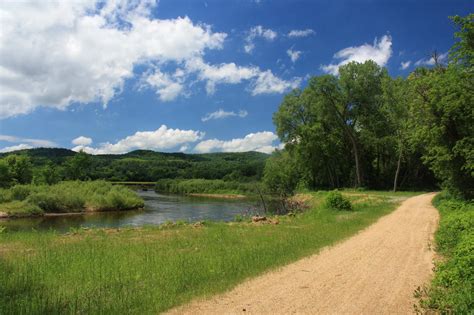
pixel 191 76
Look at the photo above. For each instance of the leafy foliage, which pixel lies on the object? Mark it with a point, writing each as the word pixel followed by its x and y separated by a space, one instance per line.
pixel 190 186
pixel 453 284
pixel 335 200
pixel 52 165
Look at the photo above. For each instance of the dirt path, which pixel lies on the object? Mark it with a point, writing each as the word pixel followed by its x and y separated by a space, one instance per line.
pixel 374 272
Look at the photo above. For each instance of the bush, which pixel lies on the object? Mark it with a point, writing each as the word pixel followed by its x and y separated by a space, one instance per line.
pixel 335 200
pixel 453 283
pixel 74 196
pixel 20 209
pixel 192 186
pixel 453 227
pixel 20 192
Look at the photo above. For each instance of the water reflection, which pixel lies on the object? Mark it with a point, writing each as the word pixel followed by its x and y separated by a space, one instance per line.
pixel 159 208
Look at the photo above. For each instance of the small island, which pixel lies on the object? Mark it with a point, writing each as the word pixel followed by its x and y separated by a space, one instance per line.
pixel 68 197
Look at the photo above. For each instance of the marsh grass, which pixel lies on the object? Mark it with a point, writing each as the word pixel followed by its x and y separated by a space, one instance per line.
pixel 73 196
pixel 207 186
pixel 151 269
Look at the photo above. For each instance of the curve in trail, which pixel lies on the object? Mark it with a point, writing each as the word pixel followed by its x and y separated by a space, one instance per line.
pixel 373 272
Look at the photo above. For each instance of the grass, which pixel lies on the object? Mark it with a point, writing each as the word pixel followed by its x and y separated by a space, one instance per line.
pixel 24 200
pixel 151 269
pixel 17 209
pixel 452 288
pixel 204 186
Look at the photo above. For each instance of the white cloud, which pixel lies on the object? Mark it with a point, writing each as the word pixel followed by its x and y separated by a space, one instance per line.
pixel 259 141
pixel 166 88
pixel 161 139
pixel 293 54
pixel 55 53
pixel 223 73
pixel 33 142
pixel 268 83
pixel 405 64
pixel 263 82
pixel 431 61
pixel 21 146
pixel 258 32
pixel 82 141
pixel 301 33
pixel 220 114
pixel 380 52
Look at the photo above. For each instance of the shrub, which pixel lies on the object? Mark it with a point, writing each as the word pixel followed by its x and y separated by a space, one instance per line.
pixel 20 209
pixel 74 196
pixel 453 283
pixel 20 192
pixel 335 200
pixel 453 227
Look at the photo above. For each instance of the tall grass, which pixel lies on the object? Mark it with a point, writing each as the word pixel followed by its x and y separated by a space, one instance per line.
pixel 210 186
pixel 73 196
pixel 149 270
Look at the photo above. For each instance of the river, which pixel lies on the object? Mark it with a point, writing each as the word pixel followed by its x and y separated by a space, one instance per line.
pixel 159 208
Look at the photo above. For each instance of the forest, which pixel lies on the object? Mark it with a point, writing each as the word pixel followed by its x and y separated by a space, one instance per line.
pixel 365 129
pixel 51 165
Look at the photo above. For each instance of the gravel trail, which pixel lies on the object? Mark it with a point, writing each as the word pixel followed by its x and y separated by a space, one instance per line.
pixel 373 272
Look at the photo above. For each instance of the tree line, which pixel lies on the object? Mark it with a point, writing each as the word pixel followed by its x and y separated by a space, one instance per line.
pixel 363 128
pixel 49 166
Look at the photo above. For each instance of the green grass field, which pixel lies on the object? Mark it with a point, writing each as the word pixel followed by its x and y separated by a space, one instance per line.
pixel 151 269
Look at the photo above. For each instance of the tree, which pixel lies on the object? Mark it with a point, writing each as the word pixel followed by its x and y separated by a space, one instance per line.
pixel 281 175
pixel 48 174
pixel 5 176
pixel 78 167
pixel 442 109
pixel 20 169
pixel 462 51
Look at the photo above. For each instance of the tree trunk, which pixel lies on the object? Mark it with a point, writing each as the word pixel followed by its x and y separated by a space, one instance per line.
pixel 399 162
pixel 357 164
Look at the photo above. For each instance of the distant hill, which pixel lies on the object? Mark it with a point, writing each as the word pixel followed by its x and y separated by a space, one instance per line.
pixel 147 165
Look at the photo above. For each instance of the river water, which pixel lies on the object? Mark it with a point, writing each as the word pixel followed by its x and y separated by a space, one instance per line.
pixel 158 209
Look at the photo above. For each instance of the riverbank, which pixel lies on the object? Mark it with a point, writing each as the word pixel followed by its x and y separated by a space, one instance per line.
pixel 219 196
pixel 151 269
pixel 66 198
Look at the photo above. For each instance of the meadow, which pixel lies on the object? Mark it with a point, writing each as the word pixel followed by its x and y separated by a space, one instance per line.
pixel 151 269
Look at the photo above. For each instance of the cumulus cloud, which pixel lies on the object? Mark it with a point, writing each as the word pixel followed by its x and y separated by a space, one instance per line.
pixel 222 73
pixel 405 64
pixel 21 146
pixel 380 52
pixel 259 141
pixel 263 82
pixel 431 61
pixel 258 32
pixel 55 53
pixel 301 33
pixel 82 141
pixel 267 83
pixel 166 87
pixel 162 138
pixel 220 114
pixel 32 142
pixel 293 54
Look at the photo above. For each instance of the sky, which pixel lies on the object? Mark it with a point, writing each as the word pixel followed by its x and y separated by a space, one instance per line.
pixel 195 76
